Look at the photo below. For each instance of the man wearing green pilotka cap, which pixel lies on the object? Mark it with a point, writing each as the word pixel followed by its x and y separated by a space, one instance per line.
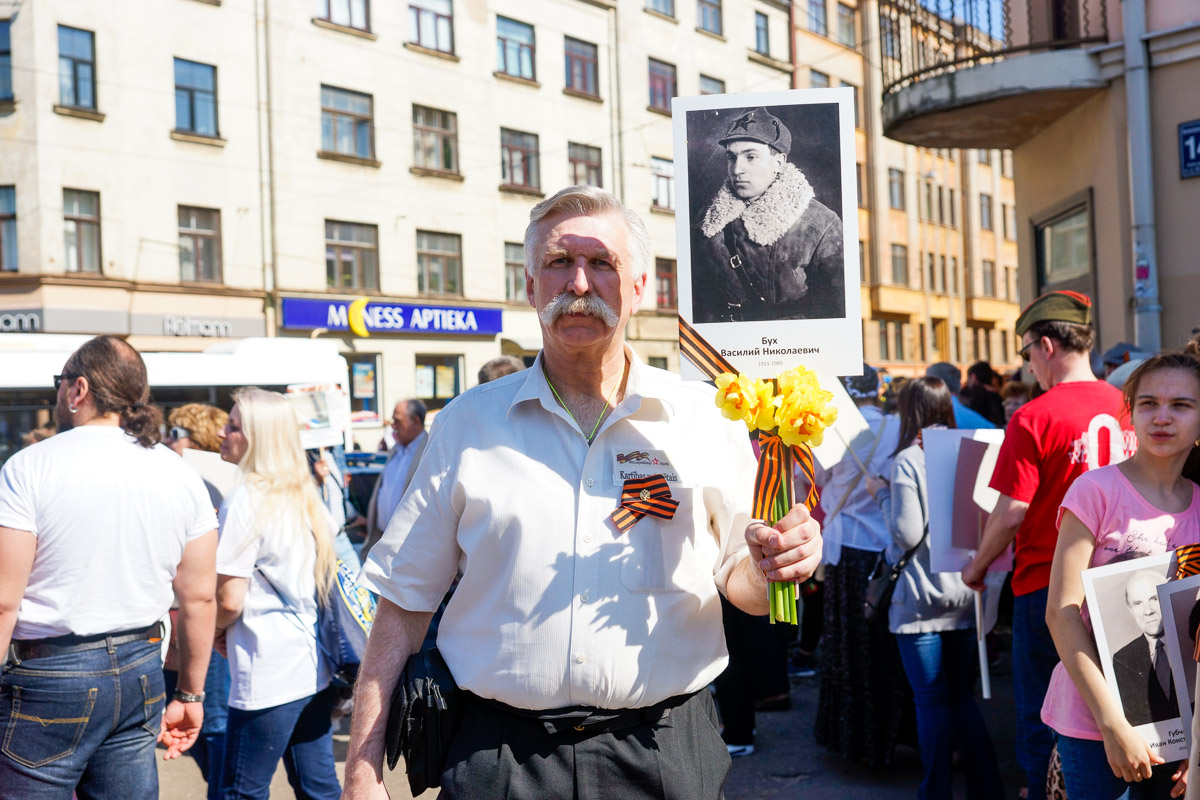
pixel 1076 425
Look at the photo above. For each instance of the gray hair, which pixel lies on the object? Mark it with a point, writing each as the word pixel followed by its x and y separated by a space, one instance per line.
pixel 586 201
pixel 414 408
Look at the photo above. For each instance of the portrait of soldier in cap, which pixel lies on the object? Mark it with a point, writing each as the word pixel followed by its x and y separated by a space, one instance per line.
pixel 764 247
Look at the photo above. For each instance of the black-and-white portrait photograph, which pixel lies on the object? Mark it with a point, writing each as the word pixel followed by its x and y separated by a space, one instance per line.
pixel 1180 601
pixel 769 196
pixel 1129 620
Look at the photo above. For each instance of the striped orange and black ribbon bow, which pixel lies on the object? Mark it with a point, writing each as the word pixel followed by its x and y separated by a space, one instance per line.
pixel 1187 561
pixel 641 496
pixel 773 454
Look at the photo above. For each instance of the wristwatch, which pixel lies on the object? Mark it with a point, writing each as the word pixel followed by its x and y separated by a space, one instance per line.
pixel 184 697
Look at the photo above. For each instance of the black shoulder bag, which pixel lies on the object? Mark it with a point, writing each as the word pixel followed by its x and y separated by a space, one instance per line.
pixel 425 713
pixel 882 583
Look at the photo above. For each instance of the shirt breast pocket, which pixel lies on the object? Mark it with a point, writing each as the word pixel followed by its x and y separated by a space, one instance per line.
pixel 669 555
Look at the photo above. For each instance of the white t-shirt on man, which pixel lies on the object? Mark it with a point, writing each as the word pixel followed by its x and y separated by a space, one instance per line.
pixel 111 519
pixel 273 656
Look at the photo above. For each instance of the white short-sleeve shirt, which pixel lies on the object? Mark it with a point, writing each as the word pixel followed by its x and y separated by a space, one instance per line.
pixel 111 519
pixel 555 607
pixel 273 656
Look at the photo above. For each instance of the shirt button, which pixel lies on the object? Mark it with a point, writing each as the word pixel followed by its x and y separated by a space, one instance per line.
pixel 587 538
pixel 589 482
pixel 579 659
pixel 583 597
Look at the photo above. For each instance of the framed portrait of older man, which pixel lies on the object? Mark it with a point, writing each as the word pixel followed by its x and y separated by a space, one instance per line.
pixel 1129 622
pixel 767 229
pixel 1180 604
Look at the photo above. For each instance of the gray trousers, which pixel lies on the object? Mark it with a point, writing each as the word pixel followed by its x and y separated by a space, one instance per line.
pixel 501 755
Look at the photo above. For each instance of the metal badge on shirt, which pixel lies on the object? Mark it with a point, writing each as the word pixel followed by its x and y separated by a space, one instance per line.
pixel 642 464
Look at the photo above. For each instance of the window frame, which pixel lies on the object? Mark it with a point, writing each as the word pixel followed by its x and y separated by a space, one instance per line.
pixel 414 33
pixel 841 20
pixel 448 256
pixel 577 158
pixel 328 16
pixel 707 10
pixel 514 275
pixel 369 118
pixel 823 82
pixel 818 24
pixel 74 69
pixel 899 272
pixel 8 220
pixel 6 62
pixel 664 82
pixel 715 81
pixel 986 220
pixel 355 247
pixel 762 34
pixel 987 277
pixel 531 155
pixel 197 235
pixel 502 50
pixel 436 360
pixel 589 64
pixel 654 5
pixel 191 91
pixel 666 284
pixel 659 179
pixel 83 220
pixel 441 135
pixel 896 181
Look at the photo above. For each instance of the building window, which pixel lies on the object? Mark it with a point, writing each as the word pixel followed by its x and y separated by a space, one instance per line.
pixel 514 48
pixel 953 208
pixel 519 159
pixel 762 34
pixel 347 13
pixel 1006 164
pixel 941 217
pixel 658 362
pixel 662 84
pixel 899 265
pixel 985 157
pixel 1064 248
pixel 346 126
pixel 817 22
pixel 988 273
pixel 711 85
pixel 351 255
pixel 8 228
pixel 884 342
pixel 514 273
pixel 199 244
pixel 709 14
pixel 438 379
pixel 845 22
pixel 584 164
pixel 896 189
pixel 364 388
pixel 666 283
pixel 864 271
pixel 1010 222
pixel 439 263
pixel 665 7
pixel 1006 287
pixel 435 139
pixel 430 24
pixel 930 273
pixel 81 230
pixel 954 272
pixel 195 98
pixel 581 67
pixel 927 209
pixel 818 80
pixel 858 182
pixel 6 92
pixel 985 212
pixel 887 30
pixel 76 67
pixel 854 89
pixel 898 340
pixel 662 183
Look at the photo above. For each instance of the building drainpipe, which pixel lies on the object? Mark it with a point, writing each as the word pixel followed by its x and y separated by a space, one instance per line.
pixel 1146 307
pixel 266 168
pixel 619 171
pixel 792 53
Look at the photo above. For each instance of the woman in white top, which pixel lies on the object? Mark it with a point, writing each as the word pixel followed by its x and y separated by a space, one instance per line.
pixel 275 563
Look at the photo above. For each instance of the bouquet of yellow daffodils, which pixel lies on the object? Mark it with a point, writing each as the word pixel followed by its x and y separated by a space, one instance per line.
pixel 791 413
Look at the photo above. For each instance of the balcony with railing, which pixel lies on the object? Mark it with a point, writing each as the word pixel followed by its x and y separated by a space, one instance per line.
pixel 986 73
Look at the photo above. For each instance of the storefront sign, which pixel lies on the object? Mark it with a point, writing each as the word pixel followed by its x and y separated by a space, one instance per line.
pixel 20 322
pixel 364 317
pixel 1189 149
pixel 190 326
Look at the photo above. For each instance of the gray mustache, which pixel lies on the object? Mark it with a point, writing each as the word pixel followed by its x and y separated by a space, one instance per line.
pixel 588 304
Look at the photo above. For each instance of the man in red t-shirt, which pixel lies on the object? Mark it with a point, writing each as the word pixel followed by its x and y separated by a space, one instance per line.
pixel 1077 425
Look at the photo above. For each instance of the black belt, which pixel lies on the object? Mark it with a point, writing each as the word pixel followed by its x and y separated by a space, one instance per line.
pixel 25 649
pixel 584 719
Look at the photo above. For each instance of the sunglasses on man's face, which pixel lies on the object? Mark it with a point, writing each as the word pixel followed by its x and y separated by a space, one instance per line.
pixel 58 379
pixel 1024 351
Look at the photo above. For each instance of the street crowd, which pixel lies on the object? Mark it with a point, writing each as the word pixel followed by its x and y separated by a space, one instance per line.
pixel 582 654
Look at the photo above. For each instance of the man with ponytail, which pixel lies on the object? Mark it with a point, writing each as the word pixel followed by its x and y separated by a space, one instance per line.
pixel 99 527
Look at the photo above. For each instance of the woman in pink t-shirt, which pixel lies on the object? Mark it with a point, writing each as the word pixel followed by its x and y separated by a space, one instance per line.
pixel 1139 507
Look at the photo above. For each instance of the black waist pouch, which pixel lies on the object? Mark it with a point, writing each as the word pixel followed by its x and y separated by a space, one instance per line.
pixel 425 713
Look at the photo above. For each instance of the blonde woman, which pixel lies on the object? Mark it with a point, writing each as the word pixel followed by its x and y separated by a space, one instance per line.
pixel 275 563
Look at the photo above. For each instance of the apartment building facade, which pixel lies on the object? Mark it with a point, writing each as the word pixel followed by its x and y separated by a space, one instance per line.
pixel 185 171
pixel 938 250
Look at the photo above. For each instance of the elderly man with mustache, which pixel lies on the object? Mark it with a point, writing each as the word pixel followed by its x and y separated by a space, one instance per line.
pixel 584 647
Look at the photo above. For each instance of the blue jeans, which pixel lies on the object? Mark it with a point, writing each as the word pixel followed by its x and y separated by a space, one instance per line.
pixel 1088 776
pixel 83 722
pixel 941 668
pixel 299 732
pixel 1033 658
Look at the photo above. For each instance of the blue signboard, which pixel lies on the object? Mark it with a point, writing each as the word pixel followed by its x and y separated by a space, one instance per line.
pixel 1189 149
pixel 365 316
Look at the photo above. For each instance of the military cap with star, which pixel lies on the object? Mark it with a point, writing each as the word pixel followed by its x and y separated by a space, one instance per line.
pixel 759 125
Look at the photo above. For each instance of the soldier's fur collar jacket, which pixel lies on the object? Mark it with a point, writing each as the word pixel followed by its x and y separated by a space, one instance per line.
pixel 770 215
